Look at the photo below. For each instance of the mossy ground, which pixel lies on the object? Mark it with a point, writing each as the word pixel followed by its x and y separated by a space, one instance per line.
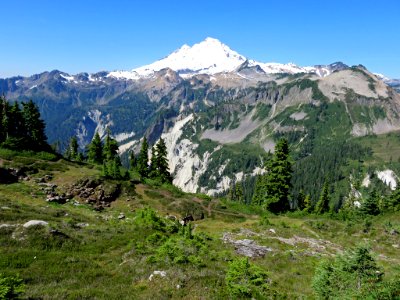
pixel 102 260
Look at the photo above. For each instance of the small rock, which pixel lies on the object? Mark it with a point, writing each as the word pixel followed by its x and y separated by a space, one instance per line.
pixel 81 225
pixel 35 223
pixel 272 230
pixel 160 273
pixel 7 225
pixel 121 216
pixel 394 232
pixel 394 246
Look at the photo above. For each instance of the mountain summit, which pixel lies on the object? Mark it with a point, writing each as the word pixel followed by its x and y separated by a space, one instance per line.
pixel 207 57
pixel 210 57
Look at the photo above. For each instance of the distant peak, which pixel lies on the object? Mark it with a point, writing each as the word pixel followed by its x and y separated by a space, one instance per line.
pixel 211 40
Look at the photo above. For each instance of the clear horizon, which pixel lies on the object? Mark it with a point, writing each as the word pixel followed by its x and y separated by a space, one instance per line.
pixel 92 36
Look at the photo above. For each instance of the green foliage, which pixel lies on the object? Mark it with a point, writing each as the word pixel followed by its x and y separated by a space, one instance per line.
pixel 132 161
pixel 350 275
pixel 370 205
pixel 393 201
pixel 301 197
pixel 110 149
pixel 143 159
pixel 307 204
pixel 244 279
pixel 148 218
pixel 334 160
pixel 322 205
pixel 278 179
pixel 159 163
pixel 186 249
pixel 11 287
pixel 72 150
pixel 22 129
pixel 262 111
pixel 111 169
pixel 305 84
pixel 236 192
pixel 95 154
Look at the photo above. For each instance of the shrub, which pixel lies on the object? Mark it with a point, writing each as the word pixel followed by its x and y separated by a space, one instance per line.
pixel 349 276
pixel 147 217
pixel 11 286
pixel 244 279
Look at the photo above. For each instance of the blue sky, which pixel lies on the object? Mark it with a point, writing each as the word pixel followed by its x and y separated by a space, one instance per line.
pixel 87 35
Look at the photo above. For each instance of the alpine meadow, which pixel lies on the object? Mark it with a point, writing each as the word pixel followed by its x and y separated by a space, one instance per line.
pixel 205 174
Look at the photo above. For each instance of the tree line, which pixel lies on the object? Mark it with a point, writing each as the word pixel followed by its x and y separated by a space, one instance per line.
pixel 21 126
pixel 274 191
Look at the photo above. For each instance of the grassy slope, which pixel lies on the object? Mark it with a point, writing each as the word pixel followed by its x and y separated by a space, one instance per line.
pixel 98 261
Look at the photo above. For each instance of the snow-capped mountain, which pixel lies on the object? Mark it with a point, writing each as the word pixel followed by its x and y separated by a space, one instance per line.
pixel 207 57
pixel 210 57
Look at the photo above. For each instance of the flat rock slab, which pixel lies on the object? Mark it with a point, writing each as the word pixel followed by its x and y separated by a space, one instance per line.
pixel 246 247
pixel 35 223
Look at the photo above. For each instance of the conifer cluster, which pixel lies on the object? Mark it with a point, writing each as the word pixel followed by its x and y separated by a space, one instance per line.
pixel 158 167
pixel 22 129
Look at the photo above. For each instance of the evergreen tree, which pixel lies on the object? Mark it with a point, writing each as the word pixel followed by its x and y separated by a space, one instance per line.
pixel 16 122
pixel 393 201
pixel 232 190
pixel 3 128
pixel 110 149
pixel 5 121
pixel 143 159
pixel 278 177
pixel 307 204
pixel 153 167
pixel 35 126
pixel 239 192
pixel 370 205
pixel 301 197
pixel 322 205
pixel 259 190
pixel 132 161
pixel 15 131
pixel 72 150
pixel 95 154
pixel 350 276
pixel 162 162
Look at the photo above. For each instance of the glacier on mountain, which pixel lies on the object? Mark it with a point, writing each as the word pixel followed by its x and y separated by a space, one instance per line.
pixel 211 57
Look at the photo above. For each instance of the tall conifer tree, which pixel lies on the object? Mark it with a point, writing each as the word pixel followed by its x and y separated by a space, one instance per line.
pixel 278 177
pixel 95 153
pixel 162 161
pixel 143 159
pixel 322 205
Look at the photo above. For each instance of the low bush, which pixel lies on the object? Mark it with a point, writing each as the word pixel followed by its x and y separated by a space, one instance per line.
pixel 11 286
pixel 245 280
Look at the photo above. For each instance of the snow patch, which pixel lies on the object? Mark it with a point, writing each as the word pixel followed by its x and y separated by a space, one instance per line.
pixel 67 77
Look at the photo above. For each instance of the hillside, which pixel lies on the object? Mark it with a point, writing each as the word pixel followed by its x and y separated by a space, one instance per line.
pixel 110 252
